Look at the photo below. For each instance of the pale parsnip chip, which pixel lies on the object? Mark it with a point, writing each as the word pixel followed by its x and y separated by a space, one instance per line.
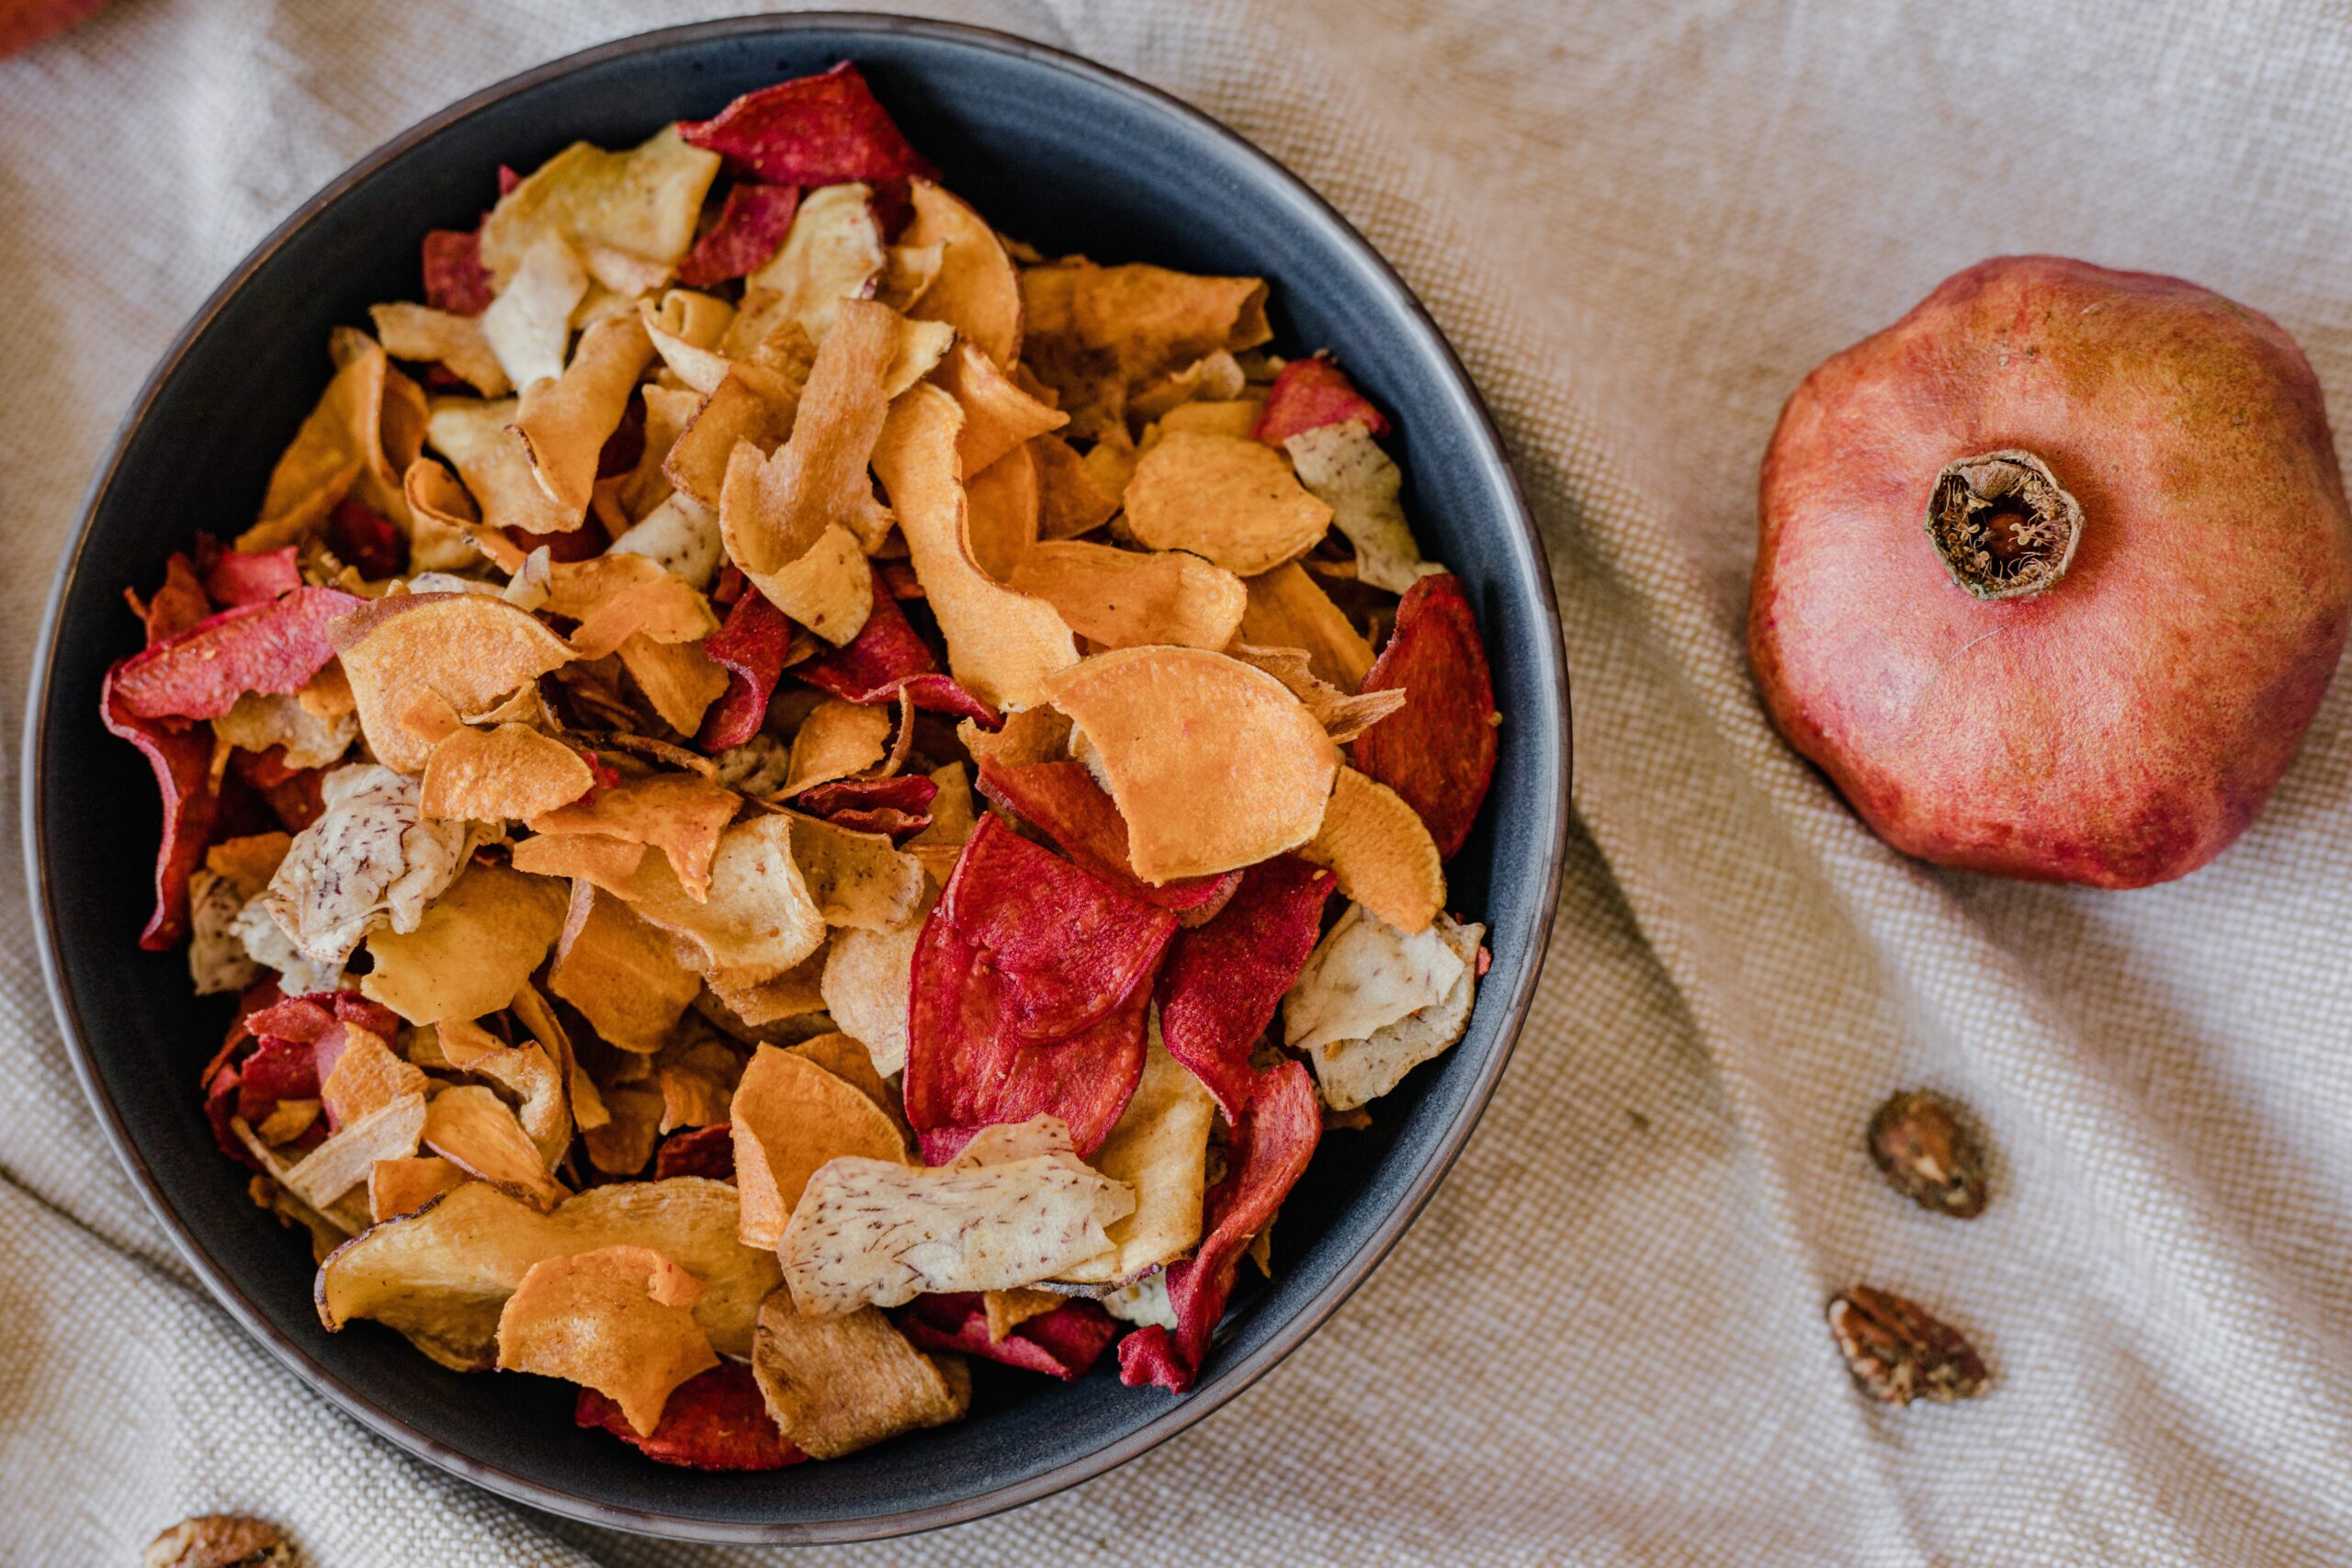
pixel 679 681
pixel 529 1072
pixel 998 413
pixel 342 1163
pixel 617 1319
pixel 1353 1072
pixel 834 1385
pixel 1125 598
pixel 417 662
pixel 473 436
pixel 952 821
pixel 837 739
pixel 473 949
pixel 1001 512
pixel 1384 858
pixel 680 536
pixel 976 289
pixel 621 973
pixel 1344 718
pixel 403 1186
pixel 529 324
pixel 490 776
pixel 564 423
pixel 790 1116
pixel 871 1233
pixel 867 976
pixel 1287 608
pixel 758 1003
pixel 641 203
pixel 438 338
pixel 857 879
pixel 440 1276
pixel 759 919
pixel 1069 501
pixel 618 596
pixel 1363 976
pixel 1230 499
pixel 685 328
pixel 366 1076
pixel 1159 1148
pixel 263 719
pixel 833 252
pixel 1002 645
pixel 1213 764
pixel 1343 467
pixel 682 815
pixel 646 487
pixel 362 432
pixel 371 859
pixel 472 1128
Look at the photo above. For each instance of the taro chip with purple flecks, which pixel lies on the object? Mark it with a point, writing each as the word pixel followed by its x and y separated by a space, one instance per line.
pixel 813 131
pixel 1063 1343
pixel 1223 980
pixel 274 648
pixel 714 1420
pixel 1308 394
pixel 1438 750
pixel 749 228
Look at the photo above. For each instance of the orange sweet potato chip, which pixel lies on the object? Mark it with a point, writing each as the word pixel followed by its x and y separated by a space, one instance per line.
pixel 445 533
pixel 682 815
pixel 1384 859
pixel 473 436
pixel 403 1186
pixel 527 1071
pixel 1093 333
pixel 975 290
pixel 733 415
pixel 1288 609
pixel 441 337
pixel 1344 718
pixel 1123 598
pixel 998 413
pixel 412 657
pixel 617 1319
pixel 1002 512
pixel 1069 501
pixel 366 1077
pixel 472 1128
pixel 678 679
pixel 836 739
pixel 1001 645
pixel 1231 498
pixel 1215 765
pixel 820 582
pixel 602 861
pixel 789 1116
pixel 511 771
pixel 249 862
pixel 615 597
pixel 622 974
pixel 474 948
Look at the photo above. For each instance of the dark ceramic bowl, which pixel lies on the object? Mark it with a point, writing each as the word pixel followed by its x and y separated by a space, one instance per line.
pixel 1062 152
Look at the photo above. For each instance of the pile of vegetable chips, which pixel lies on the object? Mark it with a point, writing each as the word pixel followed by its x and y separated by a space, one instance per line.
pixel 793 793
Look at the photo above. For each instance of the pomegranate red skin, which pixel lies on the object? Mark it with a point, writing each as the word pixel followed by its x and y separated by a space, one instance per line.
pixel 2123 725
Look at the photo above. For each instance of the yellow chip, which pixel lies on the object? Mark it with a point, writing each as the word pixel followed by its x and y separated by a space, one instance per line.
pixel 1002 645
pixel 564 423
pixel 632 1126
pixel 474 948
pixel 975 290
pixel 593 858
pixel 1119 598
pixel 1232 499
pixel 1344 718
pixel 490 776
pixel 685 328
pixel 1002 512
pixel 472 1128
pixel 837 739
pixel 528 326
pixel 826 586
pixel 834 1385
pixel 790 1116
pixel 756 1001
pixel 617 1320
pixel 682 815
pixel 1287 608
pixel 439 337
pixel 444 521
pixel 1215 765
pixel 343 1162
pixel 403 1186
pixel 857 879
pixel 1234 418
pixel 1160 1148
pixel 1384 859
pixel 1069 501
pixel 622 974
pixel 615 597
pixel 758 919
pixel 413 657
pixel 642 203
pixel 998 413
pixel 474 436
pixel 697 1078
pixel 732 415
pixel 528 1072
pixel 849 1061
pixel 1032 735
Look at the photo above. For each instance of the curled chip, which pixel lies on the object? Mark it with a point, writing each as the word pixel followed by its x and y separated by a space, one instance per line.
pixel 1344 718
pixel 749 228
pixel 1215 765
pixel 1341 466
pixel 182 763
pixel 1363 976
pixel 839 1384
pixel 1002 645
pixel 1062 799
pixel 620 972
pixel 832 252
pixel 1069 501
pixel 1094 332
pixel 1314 394
pixel 529 324
pixel 418 662
pixel 1353 1072
pixel 441 337
pixel 474 436
pixel 363 1076
pixel 616 597
pixel 600 861
pixel 758 918
pixel 683 815
pixel 616 209
pixel 1271 1143
pixel 1063 1342
pixel 857 879
pixel 472 948
pixel 999 414
pixel 364 432
pixel 1225 979
pixel 1001 513
pixel 678 680
pixel 1159 1148
pixel 888 657
pixel 714 1420
pixel 1234 502
pixel 403 1186
pixel 1123 598
pixel 617 1319
pixel 474 1130
pixel 1384 859
pixel 900 804
pixel 1438 752
pixel 343 1160
pixel 441 1274
pixel 975 290
pixel 276 646
pixel 752 647
pixel 870 1231
pixel 1028 993
pixel 511 771
pixel 790 1116
pixel 1288 609
pixel 811 130
pixel 836 739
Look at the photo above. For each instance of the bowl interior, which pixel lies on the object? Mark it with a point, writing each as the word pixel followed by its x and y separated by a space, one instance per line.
pixel 1070 158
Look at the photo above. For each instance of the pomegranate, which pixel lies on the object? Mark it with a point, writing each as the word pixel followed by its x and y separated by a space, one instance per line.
pixel 2053 572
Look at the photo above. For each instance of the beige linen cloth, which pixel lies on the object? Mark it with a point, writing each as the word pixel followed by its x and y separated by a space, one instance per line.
pixel 1641 224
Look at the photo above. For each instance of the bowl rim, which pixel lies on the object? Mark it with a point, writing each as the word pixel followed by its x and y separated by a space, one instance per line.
pixel 1182 1412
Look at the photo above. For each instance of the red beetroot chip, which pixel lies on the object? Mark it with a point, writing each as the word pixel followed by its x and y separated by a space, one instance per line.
pixel 887 654
pixel 813 131
pixel 179 605
pixel 752 645
pixel 1308 394
pixel 182 761
pixel 1271 1143
pixel 898 578
pixel 252 577
pixel 881 819
pixel 1063 1343
pixel 361 538
pixel 1062 799
pixel 625 448
pixel 1223 980
pixel 455 280
pixel 703 1151
pixel 278 1069
pixel 275 647
pixel 911 793
pixel 749 228
pixel 311 1018
pixel 1030 983
pixel 297 796
pixel 1438 750
pixel 714 1420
